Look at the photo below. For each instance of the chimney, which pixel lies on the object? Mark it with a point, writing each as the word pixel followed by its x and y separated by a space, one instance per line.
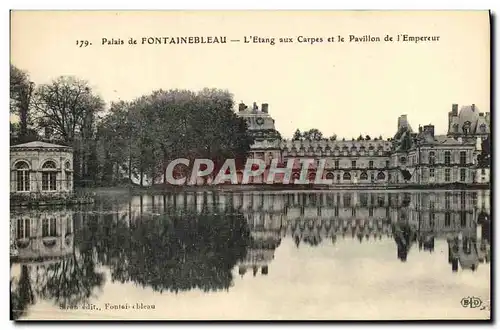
pixel 255 107
pixel 429 129
pixel 265 107
pixel 402 121
pixel 473 107
pixel 419 129
pixel 242 106
pixel 487 117
pixel 454 109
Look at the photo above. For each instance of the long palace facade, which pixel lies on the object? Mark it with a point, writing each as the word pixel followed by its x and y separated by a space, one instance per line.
pixel 410 157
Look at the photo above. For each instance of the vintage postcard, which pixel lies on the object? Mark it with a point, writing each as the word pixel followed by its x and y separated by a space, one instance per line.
pixel 250 165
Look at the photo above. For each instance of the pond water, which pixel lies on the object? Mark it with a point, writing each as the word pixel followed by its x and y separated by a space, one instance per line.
pixel 338 255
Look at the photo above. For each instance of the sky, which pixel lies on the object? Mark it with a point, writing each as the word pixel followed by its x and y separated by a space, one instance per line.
pixel 347 89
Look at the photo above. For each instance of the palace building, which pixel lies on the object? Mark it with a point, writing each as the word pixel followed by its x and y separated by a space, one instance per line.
pixel 409 158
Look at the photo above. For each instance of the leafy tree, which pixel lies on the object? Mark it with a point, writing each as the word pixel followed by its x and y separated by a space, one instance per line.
pixel 368 138
pixel 313 134
pixel 333 137
pixel 297 135
pixel 68 108
pixel 21 92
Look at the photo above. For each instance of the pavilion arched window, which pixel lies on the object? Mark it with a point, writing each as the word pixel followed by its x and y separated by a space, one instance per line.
pixel 49 176
pixel 347 176
pixel 22 176
pixel 49 227
pixel 329 176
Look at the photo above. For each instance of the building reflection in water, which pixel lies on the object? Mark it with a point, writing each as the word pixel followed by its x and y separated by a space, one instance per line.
pixel 46 263
pixel 185 241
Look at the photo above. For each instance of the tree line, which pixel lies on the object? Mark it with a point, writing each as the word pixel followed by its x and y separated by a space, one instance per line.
pixel 316 135
pixel 127 139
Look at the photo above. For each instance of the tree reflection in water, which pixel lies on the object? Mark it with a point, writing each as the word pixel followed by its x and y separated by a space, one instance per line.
pixel 172 252
pixel 21 294
pixel 70 282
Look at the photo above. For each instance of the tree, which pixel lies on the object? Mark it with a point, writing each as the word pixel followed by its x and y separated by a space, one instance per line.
pixel 333 137
pixel 360 138
pixel 68 109
pixel 368 138
pixel 313 134
pixel 21 92
pixel 297 135
pixel 155 129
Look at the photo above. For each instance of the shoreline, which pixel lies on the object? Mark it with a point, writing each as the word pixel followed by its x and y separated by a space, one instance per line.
pixel 283 187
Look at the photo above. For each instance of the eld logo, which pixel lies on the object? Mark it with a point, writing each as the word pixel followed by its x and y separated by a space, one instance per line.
pixel 471 302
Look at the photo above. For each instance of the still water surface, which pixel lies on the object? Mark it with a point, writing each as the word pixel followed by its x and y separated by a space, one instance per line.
pixel 254 255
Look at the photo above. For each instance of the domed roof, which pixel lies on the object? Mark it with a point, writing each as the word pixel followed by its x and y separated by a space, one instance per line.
pixel 469 114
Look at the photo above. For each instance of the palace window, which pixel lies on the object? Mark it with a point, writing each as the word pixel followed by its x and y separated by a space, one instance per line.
pixel 381 176
pixel 363 176
pixel 432 158
pixel 346 200
pixel 482 128
pixel 338 177
pixel 462 174
pixel 447 174
pixel 431 172
pixel 447 157
pixel 370 164
pixel 49 227
pixel 337 164
pixel 329 176
pixel 483 171
pixel 447 200
pixel 387 164
pixel 347 176
pixel 447 219
pixel 49 176
pixel 353 164
pixel 463 157
pixel 463 219
pixel 22 176
pixel 23 228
